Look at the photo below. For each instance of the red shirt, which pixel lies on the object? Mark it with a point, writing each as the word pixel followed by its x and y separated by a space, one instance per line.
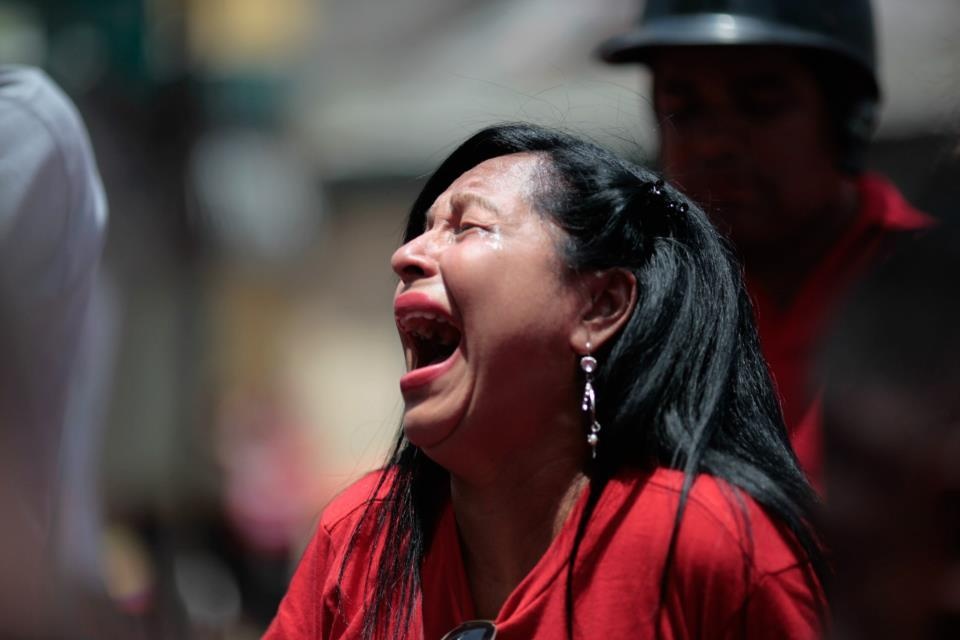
pixel 725 582
pixel 791 336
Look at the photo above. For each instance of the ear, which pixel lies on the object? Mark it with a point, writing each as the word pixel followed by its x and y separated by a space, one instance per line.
pixel 609 298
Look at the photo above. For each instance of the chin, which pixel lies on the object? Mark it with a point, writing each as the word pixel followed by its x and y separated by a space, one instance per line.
pixel 426 433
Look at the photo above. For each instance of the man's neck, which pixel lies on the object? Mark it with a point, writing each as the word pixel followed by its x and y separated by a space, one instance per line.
pixel 780 272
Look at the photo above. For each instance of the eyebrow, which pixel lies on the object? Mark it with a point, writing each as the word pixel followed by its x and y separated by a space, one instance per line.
pixel 461 201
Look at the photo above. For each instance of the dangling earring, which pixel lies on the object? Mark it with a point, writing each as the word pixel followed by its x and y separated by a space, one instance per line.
pixel 589 404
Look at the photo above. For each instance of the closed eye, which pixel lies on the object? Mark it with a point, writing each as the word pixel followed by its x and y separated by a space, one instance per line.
pixel 464 227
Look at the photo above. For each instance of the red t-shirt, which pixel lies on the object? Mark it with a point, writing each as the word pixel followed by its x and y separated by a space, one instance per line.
pixel 791 336
pixel 734 574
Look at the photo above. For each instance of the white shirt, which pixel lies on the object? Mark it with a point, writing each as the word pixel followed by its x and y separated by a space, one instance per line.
pixel 53 215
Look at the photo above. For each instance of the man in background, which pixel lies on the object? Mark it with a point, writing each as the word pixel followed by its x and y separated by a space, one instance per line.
pixel 766 109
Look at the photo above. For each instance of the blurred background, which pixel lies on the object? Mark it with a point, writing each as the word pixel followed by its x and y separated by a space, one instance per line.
pixel 259 157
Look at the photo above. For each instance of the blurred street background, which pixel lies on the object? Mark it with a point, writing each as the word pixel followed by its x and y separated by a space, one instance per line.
pixel 259 158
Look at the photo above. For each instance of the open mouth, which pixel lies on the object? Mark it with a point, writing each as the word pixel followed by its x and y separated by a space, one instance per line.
pixel 429 338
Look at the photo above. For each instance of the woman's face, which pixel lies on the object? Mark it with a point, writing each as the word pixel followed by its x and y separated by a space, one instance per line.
pixel 486 310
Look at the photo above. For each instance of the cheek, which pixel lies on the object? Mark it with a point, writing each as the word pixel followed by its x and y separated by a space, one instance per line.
pixel 795 143
pixel 470 270
pixel 507 296
pixel 674 155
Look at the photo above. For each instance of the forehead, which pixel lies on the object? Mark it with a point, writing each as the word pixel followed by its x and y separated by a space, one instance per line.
pixel 502 177
pixel 726 64
pixel 501 185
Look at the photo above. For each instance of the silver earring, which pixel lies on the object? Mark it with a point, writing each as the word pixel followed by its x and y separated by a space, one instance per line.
pixel 589 404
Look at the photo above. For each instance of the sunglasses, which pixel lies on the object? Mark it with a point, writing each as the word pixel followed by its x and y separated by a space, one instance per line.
pixel 473 630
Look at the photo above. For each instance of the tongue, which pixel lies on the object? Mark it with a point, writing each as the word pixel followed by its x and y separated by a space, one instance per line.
pixel 434 352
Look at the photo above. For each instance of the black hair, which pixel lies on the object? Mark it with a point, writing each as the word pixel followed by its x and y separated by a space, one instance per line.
pixel 704 404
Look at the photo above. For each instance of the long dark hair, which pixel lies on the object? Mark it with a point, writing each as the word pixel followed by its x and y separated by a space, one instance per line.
pixel 683 385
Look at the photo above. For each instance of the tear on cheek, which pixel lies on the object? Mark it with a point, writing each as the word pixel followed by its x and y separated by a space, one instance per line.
pixel 492 238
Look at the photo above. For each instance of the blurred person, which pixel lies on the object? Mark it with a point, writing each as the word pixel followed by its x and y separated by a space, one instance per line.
pixel 892 447
pixel 591 445
pixel 53 216
pixel 272 489
pixel 766 109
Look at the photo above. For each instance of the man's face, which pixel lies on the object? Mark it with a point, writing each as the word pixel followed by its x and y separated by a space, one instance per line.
pixel 745 131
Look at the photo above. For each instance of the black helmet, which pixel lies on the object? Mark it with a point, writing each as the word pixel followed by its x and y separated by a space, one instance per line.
pixel 840 27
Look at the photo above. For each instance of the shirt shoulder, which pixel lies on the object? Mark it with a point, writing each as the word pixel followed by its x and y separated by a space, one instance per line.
pixel 319 598
pixel 45 146
pixel 743 568
pixel 347 508
pixel 724 524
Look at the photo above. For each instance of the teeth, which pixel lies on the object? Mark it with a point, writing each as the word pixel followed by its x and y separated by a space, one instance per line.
pixel 429 335
pixel 427 325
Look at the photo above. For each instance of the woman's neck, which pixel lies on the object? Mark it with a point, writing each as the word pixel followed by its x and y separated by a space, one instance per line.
pixel 506 525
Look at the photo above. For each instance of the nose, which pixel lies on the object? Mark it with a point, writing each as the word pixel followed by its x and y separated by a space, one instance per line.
pixel 416 259
pixel 718 138
pixel 713 143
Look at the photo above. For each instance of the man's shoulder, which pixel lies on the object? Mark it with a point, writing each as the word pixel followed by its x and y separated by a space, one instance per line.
pixel 884 204
pixel 53 199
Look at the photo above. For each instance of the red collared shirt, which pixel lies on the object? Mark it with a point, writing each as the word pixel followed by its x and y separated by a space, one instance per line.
pixel 735 573
pixel 790 337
